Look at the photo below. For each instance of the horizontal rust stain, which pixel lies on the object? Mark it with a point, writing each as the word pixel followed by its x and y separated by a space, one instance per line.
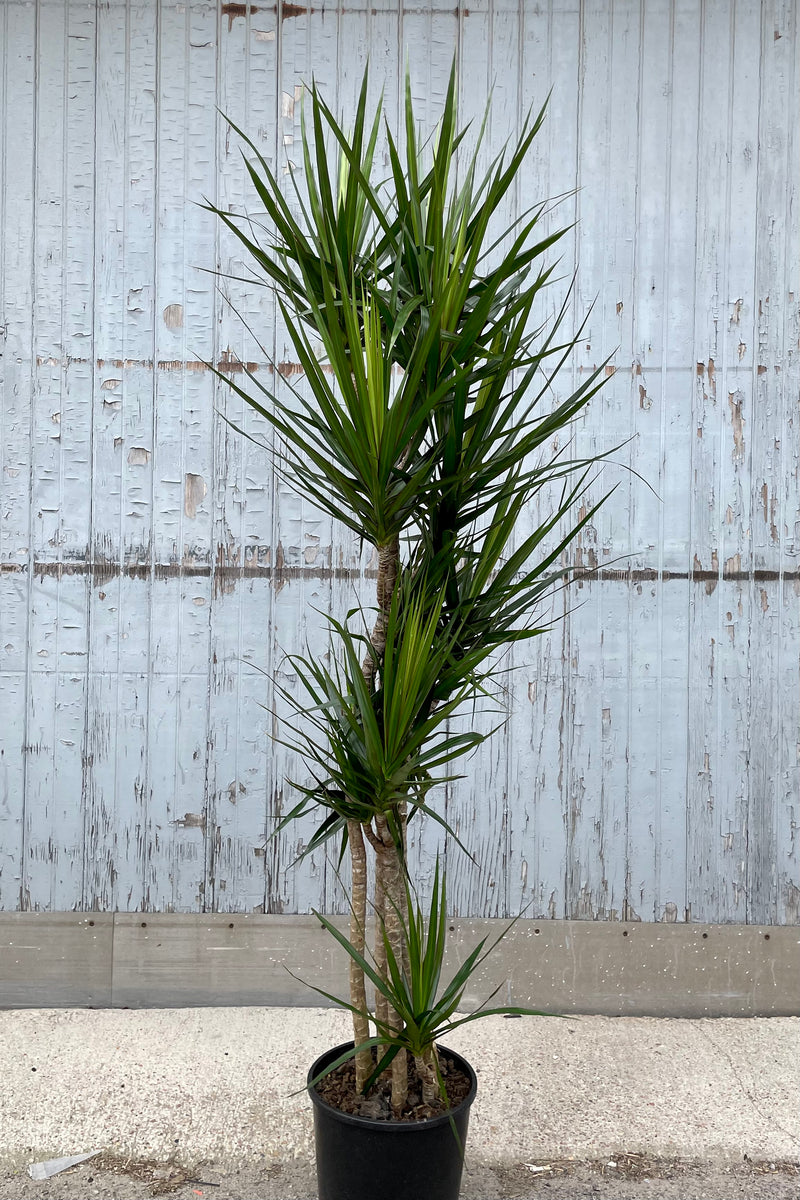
pixel 228 364
pixel 231 11
pixel 104 570
pixel 203 569
pixel 287 11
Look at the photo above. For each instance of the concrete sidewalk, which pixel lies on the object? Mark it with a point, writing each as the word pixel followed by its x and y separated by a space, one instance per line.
pixel 215 1086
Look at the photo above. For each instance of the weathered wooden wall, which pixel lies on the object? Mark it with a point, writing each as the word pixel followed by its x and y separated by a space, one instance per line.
pixel 149 562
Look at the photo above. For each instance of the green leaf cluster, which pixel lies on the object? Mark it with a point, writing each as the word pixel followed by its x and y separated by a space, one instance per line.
pixel 425 418
pixel 428 413
pixel 428 1010
pixel 371 747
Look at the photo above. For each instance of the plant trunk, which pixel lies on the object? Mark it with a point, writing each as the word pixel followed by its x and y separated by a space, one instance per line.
pixel 392 870
pixel 358 922
pixel 390 893
pixel 381 1003
pixel 402 817
pixel 426 1070
pixel 388 567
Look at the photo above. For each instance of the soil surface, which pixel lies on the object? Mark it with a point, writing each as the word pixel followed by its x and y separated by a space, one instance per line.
pixel 339 1090
pixel 618 1177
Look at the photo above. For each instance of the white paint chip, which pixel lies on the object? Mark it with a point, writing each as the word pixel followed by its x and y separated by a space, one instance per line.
pixel 264 35
pixel 138 456
pixel 110 385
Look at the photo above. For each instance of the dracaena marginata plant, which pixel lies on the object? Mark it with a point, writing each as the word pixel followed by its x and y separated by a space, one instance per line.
pixel 426 425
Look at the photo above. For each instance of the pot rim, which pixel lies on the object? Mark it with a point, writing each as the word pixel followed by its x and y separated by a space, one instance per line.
pixel 391 1126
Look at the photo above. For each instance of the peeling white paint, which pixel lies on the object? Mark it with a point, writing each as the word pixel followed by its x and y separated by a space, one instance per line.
pixel 650 765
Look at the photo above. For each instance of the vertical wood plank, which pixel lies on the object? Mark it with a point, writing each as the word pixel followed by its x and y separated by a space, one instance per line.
pixel 20 25
pixel 75 446
pixel 49 138
pixel 180 539
pixel 788 802
pixel 140 282
pixel 529 694
pixel 232 878
pixel 664 334
pixel 306 48
pixel 539 845
pixel 109 392
pixel 55 698
pixel 772 869
pixel 600 784
pixel 715 804
pixel 657 453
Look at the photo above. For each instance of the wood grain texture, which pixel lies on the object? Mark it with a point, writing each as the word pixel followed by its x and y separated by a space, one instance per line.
pixel 155 573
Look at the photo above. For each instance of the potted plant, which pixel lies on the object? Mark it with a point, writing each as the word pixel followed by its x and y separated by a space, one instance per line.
pixel 424 429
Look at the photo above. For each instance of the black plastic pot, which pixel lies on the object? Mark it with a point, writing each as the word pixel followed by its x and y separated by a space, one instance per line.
pixel 361 1159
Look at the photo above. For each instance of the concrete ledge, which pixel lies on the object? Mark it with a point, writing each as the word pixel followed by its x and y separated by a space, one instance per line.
pixel 158 960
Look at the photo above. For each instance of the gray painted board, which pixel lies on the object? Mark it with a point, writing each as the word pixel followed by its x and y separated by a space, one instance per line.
pixel 166 960
pixel 56 959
